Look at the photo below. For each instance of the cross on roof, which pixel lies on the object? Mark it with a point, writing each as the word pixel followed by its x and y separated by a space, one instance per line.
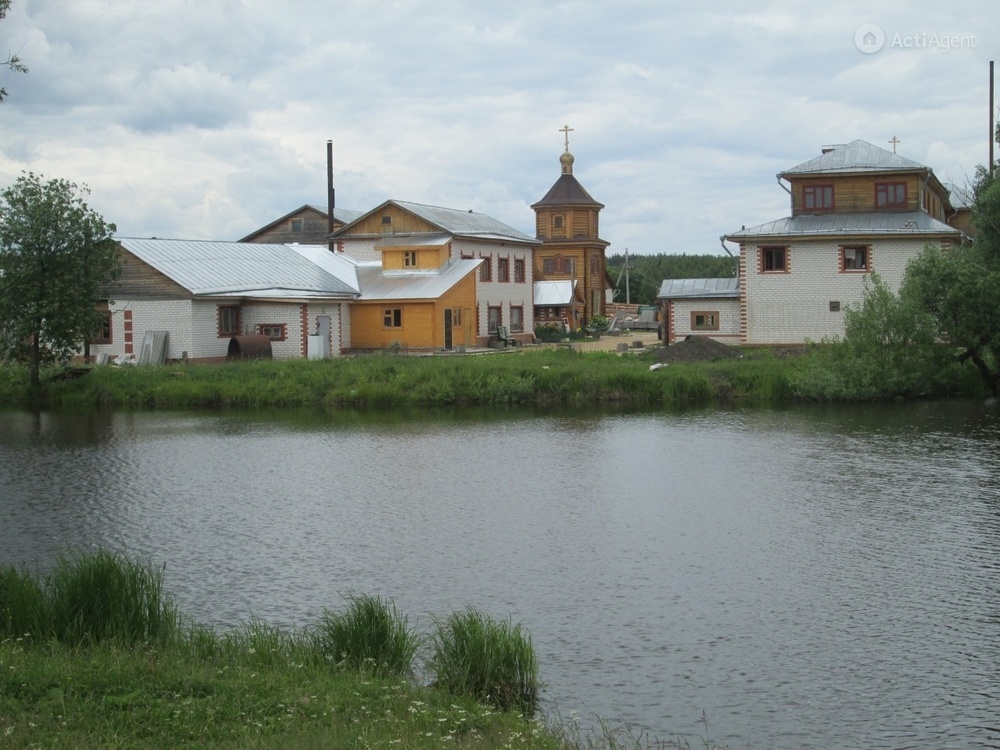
pixel 566 130
pixel 894 141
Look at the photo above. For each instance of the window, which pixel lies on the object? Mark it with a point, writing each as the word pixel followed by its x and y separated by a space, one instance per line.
pixel 705 321
pixel 890 195
pixel 854 258
pixel 456 317
pixel 102 331
pixel 410 258
pixel 296 225
pixel 503 269
pixel 774 259
pixel 492 319
pixel 516 319
pixel 274 331
pixel 817 197
pixel 549 265
pixel 558 222
pixel 557 265
pixel 486 270
pixel 834 306
pixel 392 317
pixel 595 264
pixel 519 276
pixel 229 320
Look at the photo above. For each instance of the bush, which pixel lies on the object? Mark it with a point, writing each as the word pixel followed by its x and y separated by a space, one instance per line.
pixel 369 636
pixel 104 596
pixel 489 660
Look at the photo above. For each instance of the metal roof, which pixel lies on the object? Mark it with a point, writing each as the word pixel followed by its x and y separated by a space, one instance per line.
pixel 879 223
pixel 412 285
pixel 554 293
pixel 458 223
pixel 856 156
pixel 417 239
pixel 239 268
pixel 960 197
pixel 692 288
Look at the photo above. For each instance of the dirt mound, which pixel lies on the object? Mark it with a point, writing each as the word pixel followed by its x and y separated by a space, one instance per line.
pixel 698 349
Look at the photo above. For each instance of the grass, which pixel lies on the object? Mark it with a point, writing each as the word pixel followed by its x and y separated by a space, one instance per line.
pixel 369 636
pixel 491 660
pixel 533 377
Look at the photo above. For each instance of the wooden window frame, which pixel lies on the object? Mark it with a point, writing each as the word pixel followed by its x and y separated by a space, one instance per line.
pixel 887 196
pixel 296 226
pixel 392 317
pixel 764 251
pixel 520 274
pixel 548 265
pixel 222 312
pixel 710 323
pixel 102 331
pixel 517 328
pixel 486 269
pixel 846 263
pixel 559 221
pixel 817 195
pixel 489 318
pixel 409 259
pixel 278 332
pixel 503 269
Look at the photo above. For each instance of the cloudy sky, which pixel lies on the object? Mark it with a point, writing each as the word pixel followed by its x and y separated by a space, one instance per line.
pixel 205 119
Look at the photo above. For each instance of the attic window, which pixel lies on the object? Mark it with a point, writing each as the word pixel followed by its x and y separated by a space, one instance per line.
pixel 296 225
pixel 890 194
pixel 387 220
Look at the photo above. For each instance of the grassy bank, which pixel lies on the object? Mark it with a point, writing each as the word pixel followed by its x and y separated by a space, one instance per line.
pixel 94 655
pixel 382 380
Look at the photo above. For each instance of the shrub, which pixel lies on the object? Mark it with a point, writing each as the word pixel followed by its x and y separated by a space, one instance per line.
pixel 105 596
pixel 369 636
pixel 489 660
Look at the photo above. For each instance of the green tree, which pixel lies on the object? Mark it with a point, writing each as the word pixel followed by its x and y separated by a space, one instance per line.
pixel 57 258
pixel 13 61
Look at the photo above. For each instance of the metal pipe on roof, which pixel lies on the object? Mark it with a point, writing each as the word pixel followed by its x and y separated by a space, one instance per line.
pixel 330 200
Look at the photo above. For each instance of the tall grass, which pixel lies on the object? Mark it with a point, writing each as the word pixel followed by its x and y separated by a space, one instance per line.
pixel 106 596
pixel 23 610
pixel 491 660
pixel 370 635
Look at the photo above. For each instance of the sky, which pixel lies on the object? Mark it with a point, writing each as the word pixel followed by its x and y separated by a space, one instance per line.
pixel 207 119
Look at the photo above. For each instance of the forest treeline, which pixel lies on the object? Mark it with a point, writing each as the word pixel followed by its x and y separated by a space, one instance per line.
pixel 647 272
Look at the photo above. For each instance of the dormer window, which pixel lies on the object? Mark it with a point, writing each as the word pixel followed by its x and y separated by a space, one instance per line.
pixel 410 258
pixel 817 198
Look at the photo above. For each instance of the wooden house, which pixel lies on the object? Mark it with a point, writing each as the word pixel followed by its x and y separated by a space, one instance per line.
pixel 567 225
pixel 306 225
pixel 413 242
pixel 855 208
pixel 203 294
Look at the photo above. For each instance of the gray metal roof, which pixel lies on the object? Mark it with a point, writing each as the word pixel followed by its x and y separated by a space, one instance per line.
pixel 960 197
pixel 460 223
pixel 856 156
pixel 881 223
pixel 417 239
pixel 411 285
pixel 239 268
pixel 554 293
pixel 695 288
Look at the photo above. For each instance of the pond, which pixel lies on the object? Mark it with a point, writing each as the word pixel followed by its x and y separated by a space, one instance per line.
pixel 796 578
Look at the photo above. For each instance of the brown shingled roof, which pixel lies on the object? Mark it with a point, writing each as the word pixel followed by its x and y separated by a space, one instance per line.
pixel 567 192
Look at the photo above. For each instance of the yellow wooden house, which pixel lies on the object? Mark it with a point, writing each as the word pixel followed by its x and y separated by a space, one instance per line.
pixel 567 223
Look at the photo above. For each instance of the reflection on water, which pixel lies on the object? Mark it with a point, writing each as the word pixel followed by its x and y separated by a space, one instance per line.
pixel 807 578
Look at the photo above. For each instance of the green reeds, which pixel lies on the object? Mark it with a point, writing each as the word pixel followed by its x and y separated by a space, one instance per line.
pixel 369 636
pixel 490 660
pixel 105 595
pixel 22 604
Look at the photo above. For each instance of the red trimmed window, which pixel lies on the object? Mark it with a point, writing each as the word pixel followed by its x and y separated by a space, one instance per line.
pixel 855 258
pixel 228 320
pixel 493 319
pixel 516 319
pixel 774 259
pixel 503 269
pixel 817 198
pixel 890 195
pixel 486 270
pixel 274 331
pixel 519 275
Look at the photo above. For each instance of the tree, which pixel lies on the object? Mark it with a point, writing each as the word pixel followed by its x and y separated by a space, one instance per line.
pixel 57 258
pixel 13 61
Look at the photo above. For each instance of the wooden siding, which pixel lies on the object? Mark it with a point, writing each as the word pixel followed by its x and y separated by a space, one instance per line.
pixel 393 258
pixel 591 284
pixel 422 320
pixel 139 280
pixel 400 222
pixel 577 223
pixel 315 229
pixel 856 194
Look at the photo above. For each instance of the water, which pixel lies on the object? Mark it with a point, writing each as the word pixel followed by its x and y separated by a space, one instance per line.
pixel 803 578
